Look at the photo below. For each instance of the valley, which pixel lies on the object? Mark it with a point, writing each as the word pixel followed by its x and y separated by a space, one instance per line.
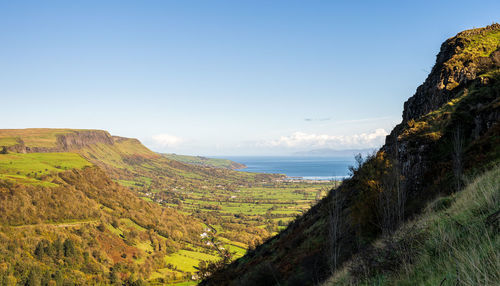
pixel 238 210
pixel 249 143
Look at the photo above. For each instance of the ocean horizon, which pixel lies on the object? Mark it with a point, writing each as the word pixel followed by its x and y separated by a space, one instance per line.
pixel 303 167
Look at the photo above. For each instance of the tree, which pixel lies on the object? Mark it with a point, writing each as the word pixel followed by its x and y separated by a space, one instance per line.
pixel 335 229
pixel 58 248
pixel 34 277
pixel 113 276
pixel 39 250
pixel 59 278
pixel 458 147
pixel 69 248
pixel 359 162
pixel 392 196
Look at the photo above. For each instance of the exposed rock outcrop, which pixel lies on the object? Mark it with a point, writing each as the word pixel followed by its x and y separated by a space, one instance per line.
pixel 65 140
pixel 462 66
pixel 455 68
pixel 461 94
pixel 79 139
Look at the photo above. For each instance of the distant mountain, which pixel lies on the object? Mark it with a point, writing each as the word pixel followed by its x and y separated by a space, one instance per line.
pixel 335 153
pixel 204 161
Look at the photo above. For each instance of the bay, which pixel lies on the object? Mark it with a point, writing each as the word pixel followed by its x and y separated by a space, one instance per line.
pixel 309 168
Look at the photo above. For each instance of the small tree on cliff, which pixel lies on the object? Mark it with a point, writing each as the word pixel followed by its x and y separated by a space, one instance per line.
pixel 335 229
pixel 457 154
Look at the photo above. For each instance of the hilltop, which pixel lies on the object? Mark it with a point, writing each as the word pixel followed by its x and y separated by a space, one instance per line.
pixel 124 159
pixel 450 130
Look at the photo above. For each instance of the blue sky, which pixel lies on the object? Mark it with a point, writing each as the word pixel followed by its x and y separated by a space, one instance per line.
pixel 223 77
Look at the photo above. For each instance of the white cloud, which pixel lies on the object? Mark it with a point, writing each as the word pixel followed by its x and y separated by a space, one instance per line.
pixel 301 140
pixel 167 140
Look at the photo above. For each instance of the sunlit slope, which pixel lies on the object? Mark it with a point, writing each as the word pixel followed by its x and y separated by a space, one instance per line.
pixel 204 161
pixel 124 159
pixel 53 201
pixel 33 168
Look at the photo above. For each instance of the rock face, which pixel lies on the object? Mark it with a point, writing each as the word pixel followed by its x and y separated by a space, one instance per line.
pixel 462 65
pixel 80 139
pixel 64 141
pixel 461 96
pixel 452 71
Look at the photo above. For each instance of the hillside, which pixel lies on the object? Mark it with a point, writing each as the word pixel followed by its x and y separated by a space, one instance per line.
pixel 450 129
pixel 151 208
pixel 204 161
pixel 78 226
pixel 123 158
pixel 454 241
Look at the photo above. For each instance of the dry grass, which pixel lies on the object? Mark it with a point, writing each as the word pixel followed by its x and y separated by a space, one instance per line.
pixel 452 243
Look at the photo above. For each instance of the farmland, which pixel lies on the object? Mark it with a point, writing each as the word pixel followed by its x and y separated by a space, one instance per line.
pixel 170 217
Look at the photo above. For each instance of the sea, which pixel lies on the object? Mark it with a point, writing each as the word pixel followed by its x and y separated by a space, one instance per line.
pixel 307 168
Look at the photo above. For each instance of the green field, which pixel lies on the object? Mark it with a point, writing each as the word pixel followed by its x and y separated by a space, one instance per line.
pixel 243 216
pixel 30 168
pixel 204 161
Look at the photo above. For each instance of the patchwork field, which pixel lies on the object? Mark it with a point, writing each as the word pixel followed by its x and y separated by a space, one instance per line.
pixel 226 210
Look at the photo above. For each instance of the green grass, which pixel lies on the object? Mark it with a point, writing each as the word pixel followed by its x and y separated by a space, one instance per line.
pixel 186 283
pixel 145 246
pixel 238 251
pixel 455 244
pixel 40 163
pixel 25 180
pixel 127 183
pixel 114 230
pixel 8 141
pixel 129 223
pixel 30 168
pixel 185 260
pixel 147 199
pixel 204 161
pixel 478 45
pixel 483 45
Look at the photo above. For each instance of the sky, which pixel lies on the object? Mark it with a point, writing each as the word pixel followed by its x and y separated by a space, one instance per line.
pixel 224 77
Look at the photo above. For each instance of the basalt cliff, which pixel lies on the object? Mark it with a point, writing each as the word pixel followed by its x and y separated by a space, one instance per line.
pixel 450 130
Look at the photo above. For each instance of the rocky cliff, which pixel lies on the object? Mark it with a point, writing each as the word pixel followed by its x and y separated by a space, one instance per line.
pixel 449 127
pixel 461 60
pixel 43 140
pixel 459 98
pixel 79 139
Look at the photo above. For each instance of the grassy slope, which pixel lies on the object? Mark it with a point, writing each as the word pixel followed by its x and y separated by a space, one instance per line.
pixel 31 168
pixel 204 161
pixel 299 254
pixel 451 242
pixel 41 163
